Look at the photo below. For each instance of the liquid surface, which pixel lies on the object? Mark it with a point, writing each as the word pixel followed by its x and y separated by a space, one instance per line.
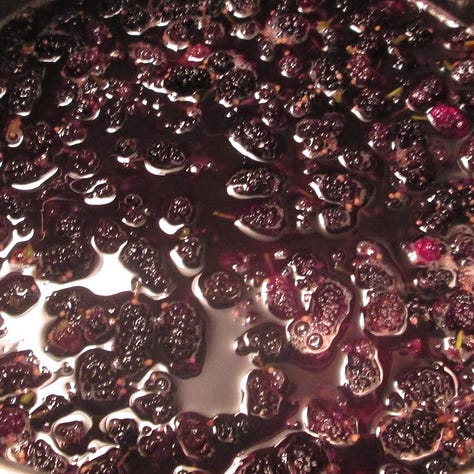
pixel 236 237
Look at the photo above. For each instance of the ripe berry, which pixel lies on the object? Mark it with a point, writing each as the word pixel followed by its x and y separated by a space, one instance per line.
pixel 145 260
pixel 385 314
pixel 265 392
pixel 221 289
pixel 263 221
pixel 134 337
pixel 432 387
pixel 181 339
pixel 426 92
pixel 266 341
pixel 254 182
pixel 13 421
pixel 194 434
pixel 455 311
pixel 413 436
pixel 303 453
pixel 448 121
pixel 18 293
pixel 363 371
pixel 332 424
pixel 21 370
pixel 235 86
pixel 231 429
pixel 255 141
pixel 280 295
pixel 185 81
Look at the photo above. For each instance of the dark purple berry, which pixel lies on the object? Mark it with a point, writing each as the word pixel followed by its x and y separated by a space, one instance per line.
pixel 146 260
pixel 18 293
pixel 221 289
pixel 266 341
pixel 194 434
pixel 302 453
pixel 181 339
pixel 263 221
pixel 281 297
pixel 385 314
pixel 235 86
pixel 21 370
pixel 426 92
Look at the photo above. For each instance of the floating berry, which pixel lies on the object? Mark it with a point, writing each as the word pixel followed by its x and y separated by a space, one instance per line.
pixel 449 121
pixel 221 289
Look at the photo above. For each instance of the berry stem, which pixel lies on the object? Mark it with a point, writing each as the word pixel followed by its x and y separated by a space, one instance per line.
pixel 223 215
pixel 269 262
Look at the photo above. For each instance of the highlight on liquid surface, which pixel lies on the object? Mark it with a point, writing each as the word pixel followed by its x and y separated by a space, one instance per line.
pixel 236 236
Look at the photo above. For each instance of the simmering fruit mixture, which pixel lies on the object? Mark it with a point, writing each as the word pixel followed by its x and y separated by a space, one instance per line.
pixel 236 236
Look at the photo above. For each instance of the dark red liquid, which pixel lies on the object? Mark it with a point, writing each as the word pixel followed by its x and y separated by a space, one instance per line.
pixel 124 201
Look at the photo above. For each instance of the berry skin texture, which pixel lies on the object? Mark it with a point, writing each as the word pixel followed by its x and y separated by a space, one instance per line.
pixel 18 293
pixel 363 371
pixel 428 386
pixel 266 342
pixel 194 434
pixel 449 121
pixel 411 437
pixel 13 421
pixel 302 453
pixel 20 370
pixel 385 314
pixel 281 297
pixel 332 424
pixel 221 289
pixel 428 249
pixel 455 311
pixel 181 339
pixel 265 392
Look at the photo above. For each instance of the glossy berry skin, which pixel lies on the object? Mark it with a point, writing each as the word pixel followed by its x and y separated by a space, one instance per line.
pixel 301 452
pixel 385 314
pixel 66 262
pixel 107 463
pixel 99 384
pixel 256 141
pixel 52 408
pixel 181 339
pixel 261 462
pixel 18 293
pixel 413 435
pixel 123 431
pixel 71 437
pixel 231 429
pixel 426 93
pixel 13 421
pixel 160 446
pixel 449 121
pixel 194 434
pixel 266 342
pixel 265 392
pixel 21 370
pixel 147 262
pixel 428 386
pixel 454 311
pixel 221 289
pixel 134 337
pixel 331 423
pixel 281 297
pixel 41 457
